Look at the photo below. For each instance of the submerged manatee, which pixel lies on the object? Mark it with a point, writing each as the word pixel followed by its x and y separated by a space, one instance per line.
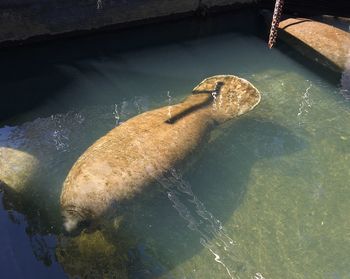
pixel 130 157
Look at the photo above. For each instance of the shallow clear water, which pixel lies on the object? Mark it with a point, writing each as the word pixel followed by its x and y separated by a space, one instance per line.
pixel 267 198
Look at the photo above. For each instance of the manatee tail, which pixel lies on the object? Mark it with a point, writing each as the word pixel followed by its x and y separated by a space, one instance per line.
pixel 231 96
pixel 228 95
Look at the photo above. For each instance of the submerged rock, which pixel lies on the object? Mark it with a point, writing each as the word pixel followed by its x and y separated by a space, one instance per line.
pixel 17 169
pixel 34 158
pixel 27 151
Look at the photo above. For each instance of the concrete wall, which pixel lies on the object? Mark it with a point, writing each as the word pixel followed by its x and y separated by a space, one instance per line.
pixel 312 7
pixel 23 19
pixel 213 3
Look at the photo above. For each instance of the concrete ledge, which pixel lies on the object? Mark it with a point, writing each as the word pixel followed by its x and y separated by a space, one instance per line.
pixel 320 42
pixel 24 19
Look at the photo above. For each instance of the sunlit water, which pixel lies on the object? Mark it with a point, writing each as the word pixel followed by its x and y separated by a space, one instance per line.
pixel 267 198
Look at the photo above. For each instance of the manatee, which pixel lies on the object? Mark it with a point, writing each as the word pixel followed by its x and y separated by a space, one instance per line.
pixel 137 153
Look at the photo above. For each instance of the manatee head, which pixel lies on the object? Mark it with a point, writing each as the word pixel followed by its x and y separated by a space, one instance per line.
pixel 232 96
pixel 76 220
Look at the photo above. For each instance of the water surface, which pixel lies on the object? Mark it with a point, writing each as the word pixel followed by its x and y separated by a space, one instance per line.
pixel 267 198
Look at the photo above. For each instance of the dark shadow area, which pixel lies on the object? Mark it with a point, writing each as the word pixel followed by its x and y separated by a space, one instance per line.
pixel 320 69
pixel 25 254
pixel 339 22
pixel 312 7
pixel 296 23
pixel 32 75
pixel 193 108
pixel 187 111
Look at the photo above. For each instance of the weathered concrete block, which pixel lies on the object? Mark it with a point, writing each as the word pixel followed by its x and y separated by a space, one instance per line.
pixel 318 41
pixel 22 19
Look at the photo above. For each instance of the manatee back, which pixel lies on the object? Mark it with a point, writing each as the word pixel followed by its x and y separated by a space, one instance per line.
pixel 232 96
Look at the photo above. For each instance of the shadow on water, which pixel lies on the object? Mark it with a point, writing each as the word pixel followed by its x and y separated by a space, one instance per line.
pixel 154 238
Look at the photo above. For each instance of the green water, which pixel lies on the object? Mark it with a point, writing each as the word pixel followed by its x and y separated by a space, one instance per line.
pixel 267 198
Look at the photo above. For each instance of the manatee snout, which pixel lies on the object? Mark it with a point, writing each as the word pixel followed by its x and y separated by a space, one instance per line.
pixel 74 222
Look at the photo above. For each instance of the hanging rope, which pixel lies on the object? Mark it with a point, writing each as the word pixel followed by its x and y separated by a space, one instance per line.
pixel 275 22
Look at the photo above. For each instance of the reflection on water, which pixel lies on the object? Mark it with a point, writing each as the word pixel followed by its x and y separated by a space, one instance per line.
pixel 267 198
pixel 305 104
pixel 203 223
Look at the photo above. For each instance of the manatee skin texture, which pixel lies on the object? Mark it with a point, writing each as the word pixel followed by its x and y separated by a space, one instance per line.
pixel 125 161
